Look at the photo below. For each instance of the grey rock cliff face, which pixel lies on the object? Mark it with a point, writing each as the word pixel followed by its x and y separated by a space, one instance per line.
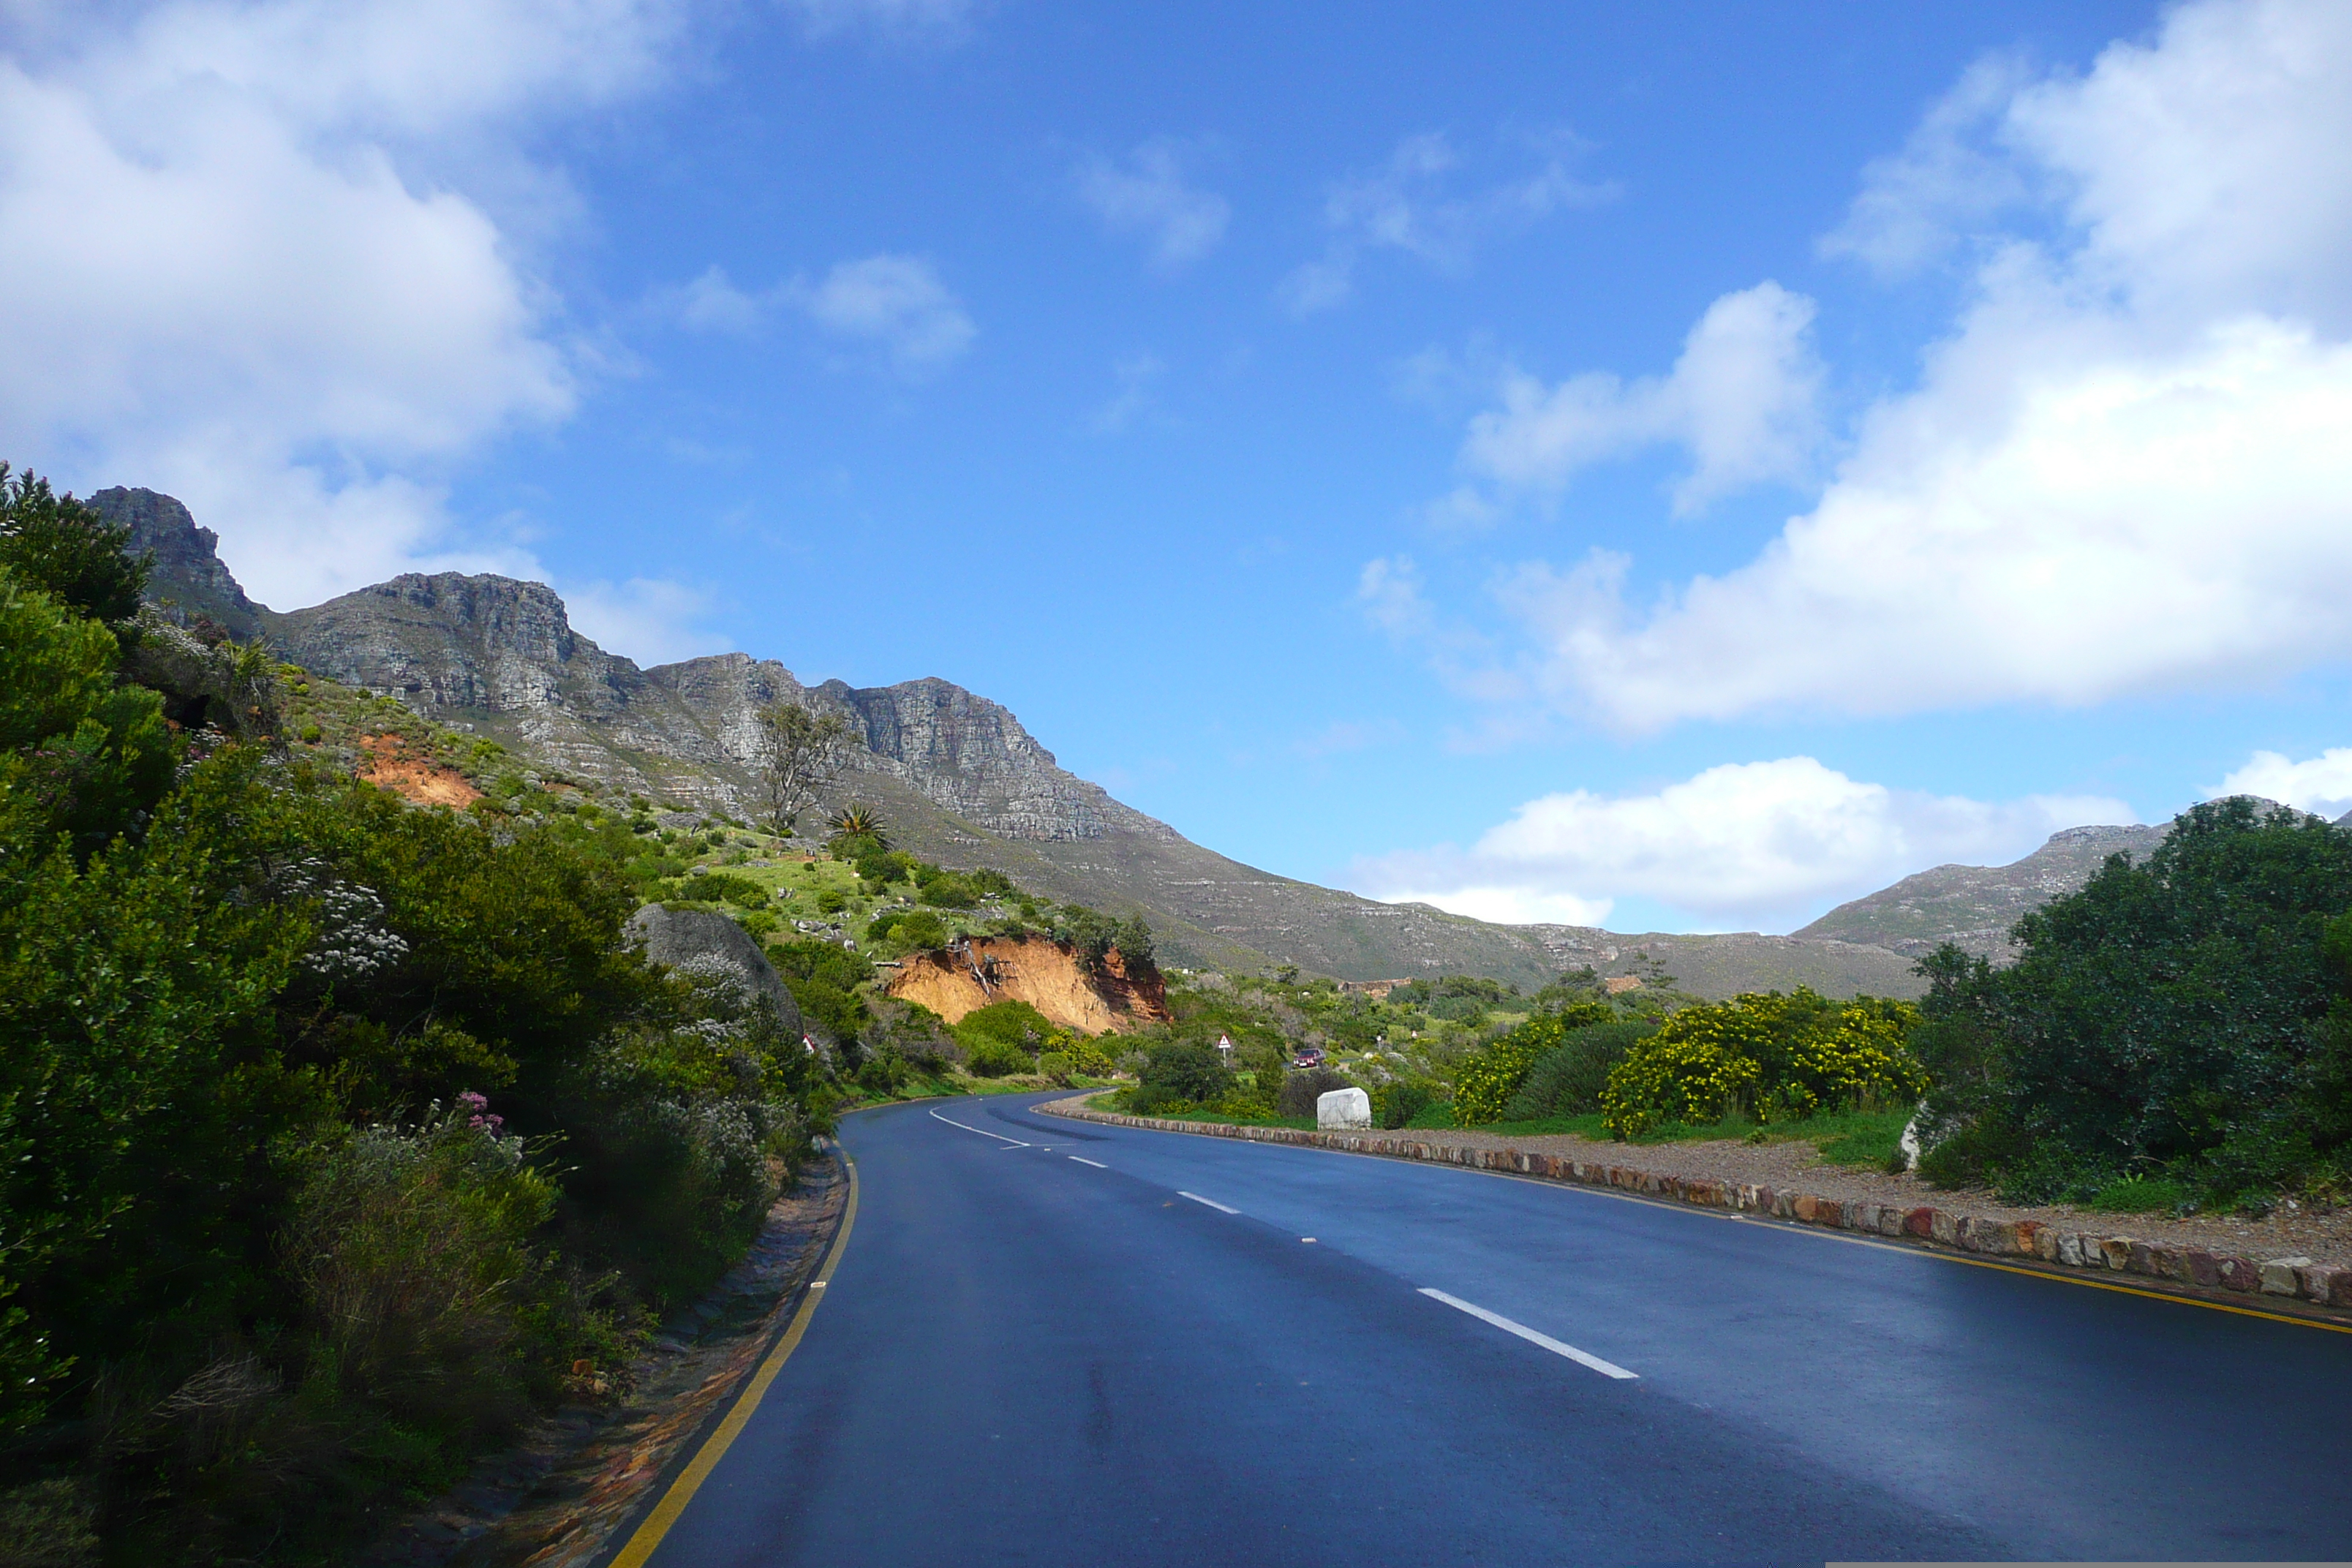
pixel 187 575
pixel 498 647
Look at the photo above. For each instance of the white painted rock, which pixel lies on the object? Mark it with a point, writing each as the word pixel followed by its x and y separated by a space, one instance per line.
pixel 1343 1108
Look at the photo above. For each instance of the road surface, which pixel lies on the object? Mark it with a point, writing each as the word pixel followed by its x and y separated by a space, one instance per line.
pixel 1056 1343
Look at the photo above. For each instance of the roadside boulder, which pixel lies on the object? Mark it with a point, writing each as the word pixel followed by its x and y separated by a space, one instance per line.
pixel 1343 1108
pixel 707 944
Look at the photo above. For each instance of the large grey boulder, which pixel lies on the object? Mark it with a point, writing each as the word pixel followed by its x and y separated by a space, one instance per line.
pixel 1343 1108
pixel 705 943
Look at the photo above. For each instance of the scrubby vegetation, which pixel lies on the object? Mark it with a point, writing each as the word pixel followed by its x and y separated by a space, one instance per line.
pixel 2178 1029
pixel 335 1132
pixel 1771 1056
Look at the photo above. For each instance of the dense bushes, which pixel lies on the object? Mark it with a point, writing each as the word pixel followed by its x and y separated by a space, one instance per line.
pixel 255 1280
pixel 1485 1083
pixel 1400 1103
pixel 1180 1073
pixel 1767 1055
pixel 2183 1017
pixel 1567 1080
pixel 824 977
pixel 908 931
pixel 1004 1037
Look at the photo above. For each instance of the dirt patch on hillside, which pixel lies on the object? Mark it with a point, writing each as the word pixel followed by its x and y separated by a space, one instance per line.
pixel 386 763
pixel 953 981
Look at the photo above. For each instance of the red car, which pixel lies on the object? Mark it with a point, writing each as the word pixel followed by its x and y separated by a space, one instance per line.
pixel 1308 1057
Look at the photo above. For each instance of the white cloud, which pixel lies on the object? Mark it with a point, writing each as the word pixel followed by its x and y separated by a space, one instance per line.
pixel 893 303
pixel 2124 471
pixel 1389 591
pixel 1405 206
pixel 238 262
pixel 1147 196
pixel 1752 844
pixel 712 303
pixel 1742 398
pixel 2322 784
pixel 648 619
pixel 1136 376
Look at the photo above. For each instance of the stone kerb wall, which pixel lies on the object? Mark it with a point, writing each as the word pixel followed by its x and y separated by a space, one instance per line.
pixel 2297 1279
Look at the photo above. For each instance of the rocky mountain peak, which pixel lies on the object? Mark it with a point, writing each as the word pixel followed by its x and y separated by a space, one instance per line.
pixel 188 576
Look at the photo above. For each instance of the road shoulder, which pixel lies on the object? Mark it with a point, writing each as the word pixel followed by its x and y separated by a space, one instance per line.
pixel 2188 1260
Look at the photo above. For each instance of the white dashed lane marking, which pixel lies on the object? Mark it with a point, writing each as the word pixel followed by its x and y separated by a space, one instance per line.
pixel 1210 1202
pixel 1606 1369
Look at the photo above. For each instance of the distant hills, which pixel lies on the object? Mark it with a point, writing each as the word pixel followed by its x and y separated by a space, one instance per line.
pixel 962 783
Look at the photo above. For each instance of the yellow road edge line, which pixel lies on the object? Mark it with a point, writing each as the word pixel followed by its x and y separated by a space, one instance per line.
pixel 1798 1227
pixel 648 1535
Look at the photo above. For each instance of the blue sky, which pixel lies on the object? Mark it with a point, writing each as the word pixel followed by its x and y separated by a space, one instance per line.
pixel 1676 466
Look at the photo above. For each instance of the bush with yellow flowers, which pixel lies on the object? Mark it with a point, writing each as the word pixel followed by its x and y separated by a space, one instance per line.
pixel 1775 1057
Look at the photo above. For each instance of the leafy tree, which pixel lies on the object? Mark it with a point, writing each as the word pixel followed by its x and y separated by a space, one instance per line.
pixel 799 752
pixel 63 548
pixel 2172 1014
pixel 1092 933
pixel 86 757
pixel 1133 941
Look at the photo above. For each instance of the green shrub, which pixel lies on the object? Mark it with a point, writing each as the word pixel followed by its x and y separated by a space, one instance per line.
pixel 1153 1100
pixel 1054 1065
pixel 1773 1056
pixel 909 929
pixel 1485 1083
pixel 831 900
pixel 824 978
pixel 988 1056
pixel 1567 1080
pixel 730 889
pixel 1188 1069
pixel 1396 1104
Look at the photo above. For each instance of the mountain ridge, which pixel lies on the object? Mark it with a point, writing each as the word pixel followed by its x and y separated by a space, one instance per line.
pixel 964 783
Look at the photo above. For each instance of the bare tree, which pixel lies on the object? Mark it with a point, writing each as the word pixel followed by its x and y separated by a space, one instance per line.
pixel 799 752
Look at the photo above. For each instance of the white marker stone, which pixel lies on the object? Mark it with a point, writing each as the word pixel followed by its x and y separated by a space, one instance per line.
pixel 1343 1108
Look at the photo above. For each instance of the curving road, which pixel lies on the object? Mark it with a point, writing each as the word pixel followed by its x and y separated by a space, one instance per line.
pixel 1057 1342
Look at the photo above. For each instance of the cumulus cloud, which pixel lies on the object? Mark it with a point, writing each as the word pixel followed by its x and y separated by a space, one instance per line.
pixel 235 264
pixel 896 304
pixel 1742 398
pixel 1408 204
pixel 1743 846
pixel 2322 785
pixel 1145 194
pixel 2122 471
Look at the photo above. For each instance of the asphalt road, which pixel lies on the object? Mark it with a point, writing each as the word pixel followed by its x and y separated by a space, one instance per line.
pixel 1038 1348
